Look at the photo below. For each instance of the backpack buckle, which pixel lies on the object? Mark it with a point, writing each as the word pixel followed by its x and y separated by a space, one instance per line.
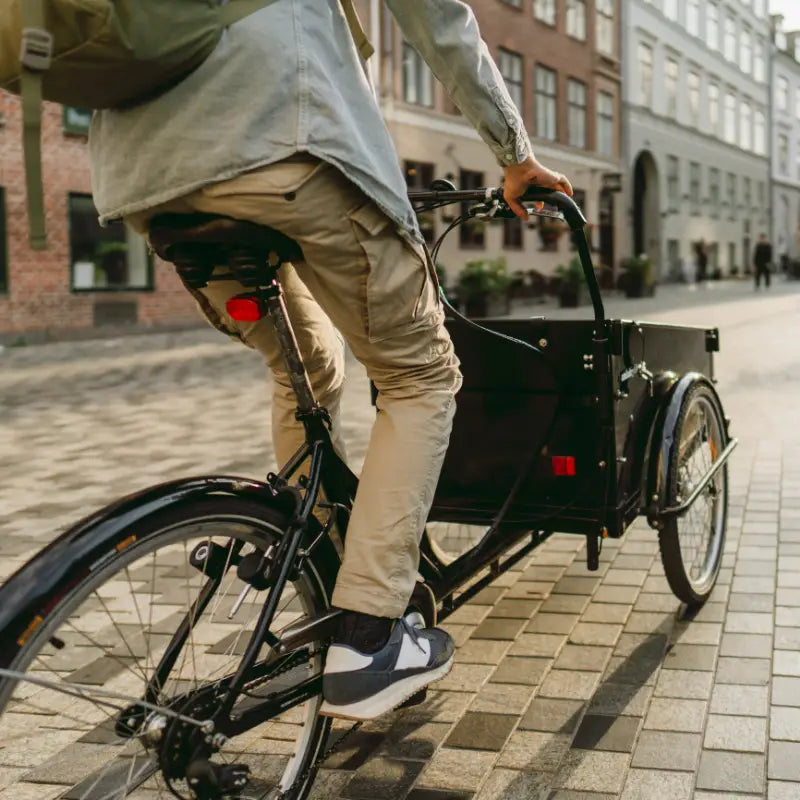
pixel 37 49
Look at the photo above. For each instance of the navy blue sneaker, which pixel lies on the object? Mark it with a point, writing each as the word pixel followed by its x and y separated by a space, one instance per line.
pixel 363 686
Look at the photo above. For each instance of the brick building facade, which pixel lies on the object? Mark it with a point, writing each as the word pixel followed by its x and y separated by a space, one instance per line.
pixel 82 281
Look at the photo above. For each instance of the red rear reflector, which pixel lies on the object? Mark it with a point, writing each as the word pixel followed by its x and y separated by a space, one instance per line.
pixel 245 309
pixel 563 465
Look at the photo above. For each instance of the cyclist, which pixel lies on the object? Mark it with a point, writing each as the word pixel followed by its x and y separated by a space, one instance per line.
pixel 280 126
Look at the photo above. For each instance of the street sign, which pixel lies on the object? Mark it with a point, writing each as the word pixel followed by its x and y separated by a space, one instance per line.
pixel 612 182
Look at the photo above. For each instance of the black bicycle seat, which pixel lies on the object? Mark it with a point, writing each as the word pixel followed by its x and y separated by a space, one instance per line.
pixel 176 237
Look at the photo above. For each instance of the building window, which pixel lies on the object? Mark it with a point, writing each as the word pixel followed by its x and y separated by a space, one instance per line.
pixel 731 196
pixel 712 26
pixel 546 112
pixel 511 69
pixel 746 126
pixel 77 120
pixel 693 17
pixel 782 94
pixel 545 10
pixel 417 78
pixel 515 3
pixel 645 75
pixel 673 184
pixel 713 107
pixel 783 154
pixel 760 133
pixel 112 258
pixel 512 233
pixel 671 87
pixel 671 9
pixel 746 51
pixel 694 99
pixel 419 176
pixel 3 248
pixel 576 19
pixel 694 187
pixel 713 192
pixel 605 124
pixel 576 111
pixel 674 257
pixel 605 26
pixel 472 232
pixel 730 118
pixel 747 193
pixel 758 60
pixel 797 100
pixel 730 39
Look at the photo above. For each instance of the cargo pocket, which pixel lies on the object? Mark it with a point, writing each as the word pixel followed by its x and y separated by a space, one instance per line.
pixel 280 178
pixel 399 289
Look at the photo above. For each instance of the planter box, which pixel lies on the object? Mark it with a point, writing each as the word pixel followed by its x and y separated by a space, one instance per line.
pixel 487 305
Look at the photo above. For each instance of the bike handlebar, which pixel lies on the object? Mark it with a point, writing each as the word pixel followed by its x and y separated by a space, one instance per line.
pixel 563 202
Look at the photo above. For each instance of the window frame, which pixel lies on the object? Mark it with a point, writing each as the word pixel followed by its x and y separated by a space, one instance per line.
pixel 511 57
pixel 541 95
pixel 421 72
pixel 575 111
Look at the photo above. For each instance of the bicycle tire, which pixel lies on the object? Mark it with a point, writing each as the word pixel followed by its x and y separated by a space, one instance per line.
pixel 700 415
pixel 249 520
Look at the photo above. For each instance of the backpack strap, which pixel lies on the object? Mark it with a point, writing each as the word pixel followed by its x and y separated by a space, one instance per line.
pixel 234 10
pixel 35 55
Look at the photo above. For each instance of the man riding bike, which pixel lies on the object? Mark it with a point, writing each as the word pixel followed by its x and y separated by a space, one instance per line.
pixel 280 127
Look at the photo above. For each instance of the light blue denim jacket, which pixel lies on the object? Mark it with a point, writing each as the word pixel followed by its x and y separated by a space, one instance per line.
pixel 286 79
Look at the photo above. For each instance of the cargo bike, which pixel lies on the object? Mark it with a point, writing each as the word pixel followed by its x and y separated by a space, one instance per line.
pixel 182 630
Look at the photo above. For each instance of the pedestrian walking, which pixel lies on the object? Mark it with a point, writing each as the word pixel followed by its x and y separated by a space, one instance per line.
pixel 762 258
pixel 701 261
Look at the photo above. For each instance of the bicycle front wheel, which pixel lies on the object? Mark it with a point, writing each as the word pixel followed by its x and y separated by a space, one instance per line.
pixel 105 645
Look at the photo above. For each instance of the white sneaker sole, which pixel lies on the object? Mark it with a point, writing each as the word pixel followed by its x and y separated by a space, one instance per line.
pixel 388 699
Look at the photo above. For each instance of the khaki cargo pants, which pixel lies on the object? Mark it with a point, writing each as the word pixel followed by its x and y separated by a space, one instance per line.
pixel 361 278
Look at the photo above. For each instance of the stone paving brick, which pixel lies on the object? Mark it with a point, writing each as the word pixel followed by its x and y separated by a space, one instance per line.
pixel 752 671
pixel 697 632
pixel 383 777
pixel 785 691
pixel 456 769
pixel 595 633
pixel 515 609
pixel 676 715
pixel 481 731
pixel 565 604
pixel 685 684
pixel 656 602
pixel 582 657
pixel 749 645
pixel 520 670
pixel 747 622
pixel 413 740
pixel 640 671
pixel 786 663
pixel 745 734
pixel 498 628
pixel 482 651
pixel 615 594
pixel 552 623
pixel 465 678
pixel 606 612
pixel 601 732
pixel 751 701
pixel 665 750
pixel 592 771
pixel 576 585
pixel 501 698
pixel 625 577
pixel 535 751
pixel 735 772
pixel 645 784
pixel 781 790
pixel 437 794
pixel 537 644
pixel 569 684
pixel 784 723
pixel 784 761
pixel 558 716
pixel 787 638
pixel 508 784
pixel 621 698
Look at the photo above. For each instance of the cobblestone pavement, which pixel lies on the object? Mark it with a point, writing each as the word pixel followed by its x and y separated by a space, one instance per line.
pixel 568 684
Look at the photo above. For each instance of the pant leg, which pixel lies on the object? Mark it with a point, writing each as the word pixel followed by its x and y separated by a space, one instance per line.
pixel 380 292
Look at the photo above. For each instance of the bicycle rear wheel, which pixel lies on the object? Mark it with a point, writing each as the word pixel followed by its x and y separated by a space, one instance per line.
pixel 106 636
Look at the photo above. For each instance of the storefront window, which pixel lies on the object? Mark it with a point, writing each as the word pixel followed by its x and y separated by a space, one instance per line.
pixel 104 259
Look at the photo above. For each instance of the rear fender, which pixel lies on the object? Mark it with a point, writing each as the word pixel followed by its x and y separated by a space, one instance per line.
pixel 38 586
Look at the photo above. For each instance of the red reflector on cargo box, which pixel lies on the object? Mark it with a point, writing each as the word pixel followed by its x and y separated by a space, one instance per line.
pixel 563 465
pixel 245 309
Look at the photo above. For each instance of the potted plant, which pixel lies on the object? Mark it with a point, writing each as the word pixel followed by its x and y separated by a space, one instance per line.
pixel 571 282
pixel 637 277
pixel 550 231
pixel 483 288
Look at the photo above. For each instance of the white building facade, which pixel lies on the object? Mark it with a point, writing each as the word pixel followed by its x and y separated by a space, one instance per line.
pixel 696 111
pixel 785 142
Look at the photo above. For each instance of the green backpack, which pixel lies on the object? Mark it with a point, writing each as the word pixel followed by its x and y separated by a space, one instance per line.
pixel 107 54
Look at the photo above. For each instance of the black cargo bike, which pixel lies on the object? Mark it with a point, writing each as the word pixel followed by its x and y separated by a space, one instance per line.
pixel 186 624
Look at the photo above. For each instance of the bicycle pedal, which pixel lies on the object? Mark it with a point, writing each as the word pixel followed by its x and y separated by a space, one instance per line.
pixel 416 699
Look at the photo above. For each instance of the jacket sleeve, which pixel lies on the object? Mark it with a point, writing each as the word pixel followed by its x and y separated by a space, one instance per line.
pixel 446 35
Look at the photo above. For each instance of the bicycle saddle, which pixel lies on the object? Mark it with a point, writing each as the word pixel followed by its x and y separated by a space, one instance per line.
pixel 208 237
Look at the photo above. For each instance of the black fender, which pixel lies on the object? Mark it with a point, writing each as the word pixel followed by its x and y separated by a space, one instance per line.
pixel 39 585
pixel 663 438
